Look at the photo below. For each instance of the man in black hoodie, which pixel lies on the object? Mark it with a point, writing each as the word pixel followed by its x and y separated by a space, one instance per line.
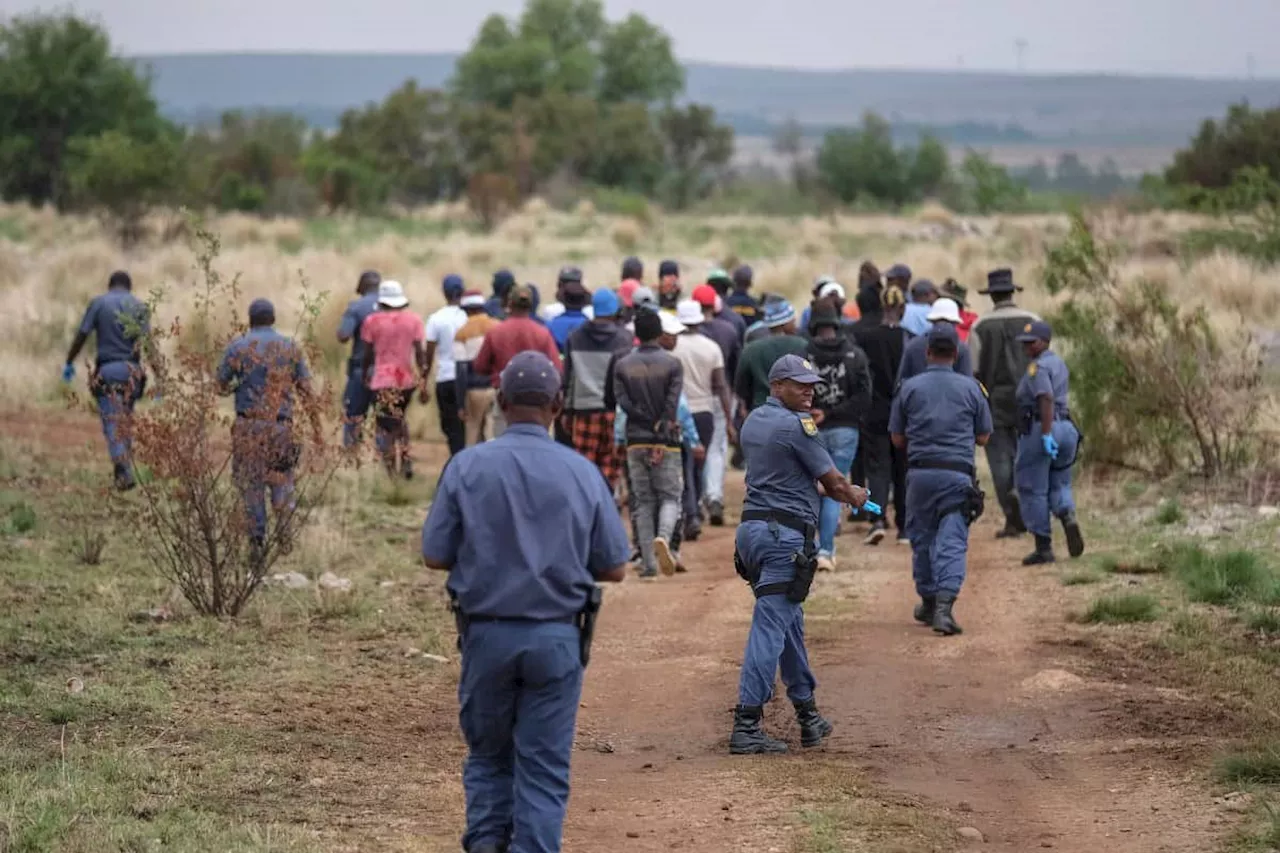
pixel 589 355
pixel 886 467
pixel 840 403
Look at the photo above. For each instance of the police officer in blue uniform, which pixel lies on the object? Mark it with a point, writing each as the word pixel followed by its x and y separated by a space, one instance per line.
pixel 938 417
pixel 525 527
pixel 777 551
pixel 1047 446
pixel 120 322
pixel 356 397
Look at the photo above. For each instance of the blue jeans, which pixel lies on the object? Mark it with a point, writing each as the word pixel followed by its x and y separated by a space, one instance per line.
pixel 117 386
pixel 776 638
pixel 1044 484
pixel 518 703
pixel 939 542
pixel 842 444
pixel 356 399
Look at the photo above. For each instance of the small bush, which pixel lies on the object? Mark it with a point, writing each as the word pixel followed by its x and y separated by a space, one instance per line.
pixel 1229 577
pixel 1119 609
pixel 1260 767
pixel 1169 512
pixel 22 517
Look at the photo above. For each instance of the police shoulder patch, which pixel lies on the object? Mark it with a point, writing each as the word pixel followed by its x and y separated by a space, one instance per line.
pixel 810 428
pixel 1032 369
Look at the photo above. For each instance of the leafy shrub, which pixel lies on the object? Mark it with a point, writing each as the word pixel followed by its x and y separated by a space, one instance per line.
pixel 1227 577
pixel 1119 609
pixel 1169 512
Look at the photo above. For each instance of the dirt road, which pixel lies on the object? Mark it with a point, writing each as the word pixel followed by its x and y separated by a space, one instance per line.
pixel 1000 730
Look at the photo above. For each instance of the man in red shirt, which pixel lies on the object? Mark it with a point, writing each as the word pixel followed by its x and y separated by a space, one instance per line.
pixel 517 333
pixel 959 292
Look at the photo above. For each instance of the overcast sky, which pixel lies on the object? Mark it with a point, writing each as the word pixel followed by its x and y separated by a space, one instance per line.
pixel 1197 37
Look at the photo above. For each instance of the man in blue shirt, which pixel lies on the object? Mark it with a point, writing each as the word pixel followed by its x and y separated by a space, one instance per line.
pixel 496 306
pixel 938 417
pixel 120 322
pixel 356 396
pixel 525 527
pixel 776 551
pixel 574 297
pixel 1047 447
pixel 264 369
pixel 914 359
pixel 916 318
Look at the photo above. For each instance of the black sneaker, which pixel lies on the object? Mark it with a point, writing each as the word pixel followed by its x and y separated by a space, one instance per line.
pixel 1075 539
pixel 876 536
pixel 715 510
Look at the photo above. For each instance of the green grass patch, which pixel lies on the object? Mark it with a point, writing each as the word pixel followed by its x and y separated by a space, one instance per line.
pixel 1258 767
pixel 1169 512
pixel 1265 620
pixel 1122 608
pixel 21 518
pixel 1080 578
pixel 1224 577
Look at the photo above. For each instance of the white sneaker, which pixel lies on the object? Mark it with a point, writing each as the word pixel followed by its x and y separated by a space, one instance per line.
pixel 826 563
pixel 666 561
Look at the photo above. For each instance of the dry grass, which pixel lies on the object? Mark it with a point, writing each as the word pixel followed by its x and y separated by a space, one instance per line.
pixel 51 265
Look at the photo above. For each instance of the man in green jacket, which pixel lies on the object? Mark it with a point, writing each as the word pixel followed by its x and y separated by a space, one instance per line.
pixel 751 383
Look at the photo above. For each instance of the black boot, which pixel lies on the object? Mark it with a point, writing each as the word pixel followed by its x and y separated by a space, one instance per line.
pixel 716 512
pixel 489 848
pixel 1042 554
pixel 123 477
pixel 814 728
pixel 943 621
pixel 748 737
pixel 924 610
pixel 1075 539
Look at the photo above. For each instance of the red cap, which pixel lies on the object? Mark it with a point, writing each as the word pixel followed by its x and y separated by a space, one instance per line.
pixel 705 295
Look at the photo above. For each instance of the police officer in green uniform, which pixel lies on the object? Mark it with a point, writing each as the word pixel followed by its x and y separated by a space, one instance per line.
pixel 999 363
pixel 777 551
pixel 1047 448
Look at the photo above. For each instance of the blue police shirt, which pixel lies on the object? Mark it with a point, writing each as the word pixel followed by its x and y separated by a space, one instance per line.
pixel 117 317
pixel 357 311
pixel 784 458
pixel 915 359
pixel 941 413
pixel 257 358
pixel 526 525
pixel 1047 374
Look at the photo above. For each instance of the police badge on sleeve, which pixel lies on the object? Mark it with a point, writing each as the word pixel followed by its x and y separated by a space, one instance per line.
pixel 810 428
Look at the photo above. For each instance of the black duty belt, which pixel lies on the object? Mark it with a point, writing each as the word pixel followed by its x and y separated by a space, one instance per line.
pixel 563 620
pixel 938 465
pixel 797 523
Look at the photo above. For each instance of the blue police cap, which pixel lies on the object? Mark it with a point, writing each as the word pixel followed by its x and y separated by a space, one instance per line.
pixel 261 311
pixel 530 379
pixel 796 368
pixel 453 285
pixel 944 335
pixel 1037 331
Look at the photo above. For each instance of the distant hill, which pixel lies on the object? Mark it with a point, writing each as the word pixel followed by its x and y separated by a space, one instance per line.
pixel 967 106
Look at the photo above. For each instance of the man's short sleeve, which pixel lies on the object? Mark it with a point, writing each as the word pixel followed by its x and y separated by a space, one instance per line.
pixel 442 531
pixel 90 318
pixel 813 456
pixel 717 360
pixel 433 329
pixel 982 415
pixel 1041 381
pixel 610 547
pixel 898 415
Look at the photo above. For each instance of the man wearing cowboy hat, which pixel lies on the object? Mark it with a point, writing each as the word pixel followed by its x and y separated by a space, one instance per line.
pixel 999 364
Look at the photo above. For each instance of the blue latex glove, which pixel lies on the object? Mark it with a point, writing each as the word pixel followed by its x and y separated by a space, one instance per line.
pixel 1050 446
pixel 68 372
pixel 873 508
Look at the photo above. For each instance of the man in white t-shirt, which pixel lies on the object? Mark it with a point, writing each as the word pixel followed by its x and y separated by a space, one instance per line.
pixel 441 327
pixel 706 389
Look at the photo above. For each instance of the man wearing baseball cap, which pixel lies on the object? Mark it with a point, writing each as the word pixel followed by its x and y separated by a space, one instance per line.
pixel 356 398
pixel 589 355
pixel 999 363
pixel 517 333
pixel 473 389
pixel 916 318
pixel 776 552
pixel 525 528
pixel 914 359
pixel 751 383
pixel 938 417
pixel 1047 447
pixel 740 301
pixel 441 328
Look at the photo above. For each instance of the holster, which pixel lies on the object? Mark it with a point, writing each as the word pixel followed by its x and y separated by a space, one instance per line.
pixel 460 620
pixel 744 571
pixel 972 507
pixel 806 559
pixel 587 623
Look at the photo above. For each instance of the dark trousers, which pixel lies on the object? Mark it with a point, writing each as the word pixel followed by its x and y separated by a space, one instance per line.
pixel 1002 449
pixel 886 470
pixel 693 482
pixel 455 431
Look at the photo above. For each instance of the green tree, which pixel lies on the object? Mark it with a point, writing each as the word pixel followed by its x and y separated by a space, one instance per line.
pixel 628 150
pixel 253 162
pixel 697 147
pixel 930 167
pixel 59 84
pixel 853 164
pixel 1244 138
pixel 989 185
pixel 122 178
pixel 638 63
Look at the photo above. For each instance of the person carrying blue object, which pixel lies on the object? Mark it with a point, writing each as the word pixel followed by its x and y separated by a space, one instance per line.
pixel 1047 447
pixel 938 417
pixel 121 323
pixel 526 530
pixel 264 370
pixel 356 396
pixel 776 552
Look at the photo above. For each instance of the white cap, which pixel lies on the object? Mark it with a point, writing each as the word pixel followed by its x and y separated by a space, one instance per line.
pixel 670 325
pixel 945 309
pixel 391 294
pixel 830 288
pixel 551 310
pixel 472 300
pixel 689 312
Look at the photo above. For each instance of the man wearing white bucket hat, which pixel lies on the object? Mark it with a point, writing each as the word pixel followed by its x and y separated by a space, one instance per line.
pixel 914 358
pixel 395 344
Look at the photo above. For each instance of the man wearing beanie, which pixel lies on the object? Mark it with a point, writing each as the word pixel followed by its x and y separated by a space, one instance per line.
pixel 519 332
pixel 589 355
pixel 740 301
pixel 669 289
pixel 574 298
pixel 496 306
pixel 752 381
